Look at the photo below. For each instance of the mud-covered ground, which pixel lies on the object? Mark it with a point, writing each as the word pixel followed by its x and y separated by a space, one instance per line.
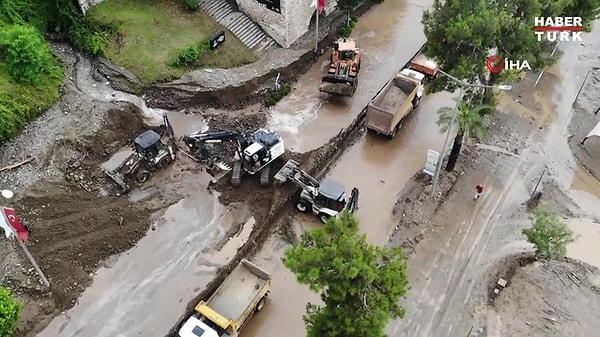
pixel 550 299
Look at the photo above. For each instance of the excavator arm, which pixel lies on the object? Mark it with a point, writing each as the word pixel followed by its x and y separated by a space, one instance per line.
pixel 197 143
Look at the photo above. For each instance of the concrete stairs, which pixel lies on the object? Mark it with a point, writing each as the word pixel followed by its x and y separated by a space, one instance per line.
pixel 239 24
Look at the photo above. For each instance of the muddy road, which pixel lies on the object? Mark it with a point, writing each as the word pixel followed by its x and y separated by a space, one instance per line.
pixel 388 35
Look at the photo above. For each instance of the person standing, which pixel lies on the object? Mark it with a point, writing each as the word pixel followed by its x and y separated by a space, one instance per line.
pixel 478 191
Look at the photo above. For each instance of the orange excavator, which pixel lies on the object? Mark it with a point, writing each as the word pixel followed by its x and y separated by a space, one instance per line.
pixel 342 75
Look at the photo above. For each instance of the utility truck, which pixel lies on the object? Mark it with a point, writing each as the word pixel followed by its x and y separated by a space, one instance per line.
pixel 400 95
pixel 230 308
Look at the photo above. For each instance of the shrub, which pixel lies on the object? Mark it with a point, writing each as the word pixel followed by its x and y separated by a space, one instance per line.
pixel 549 234
pixel 187 56
pixel 192 5
pixel 346 30
pixel 26 53
pixel 278 95
pixel 10 310
pixel 89 37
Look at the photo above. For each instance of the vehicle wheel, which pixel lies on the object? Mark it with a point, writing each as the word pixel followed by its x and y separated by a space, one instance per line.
pixel 142 176
pixel 394 132
pixel 260 304
pixel 324 217
pixel 302 206
pixel 416 102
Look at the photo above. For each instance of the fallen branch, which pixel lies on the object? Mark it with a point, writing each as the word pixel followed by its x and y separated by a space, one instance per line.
pixel 84 187
pixel 551 319
pixel 560 278
pixel 14 166
pixel 573 280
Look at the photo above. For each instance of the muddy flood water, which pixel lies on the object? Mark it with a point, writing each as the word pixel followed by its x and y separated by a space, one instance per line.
pixel 388 36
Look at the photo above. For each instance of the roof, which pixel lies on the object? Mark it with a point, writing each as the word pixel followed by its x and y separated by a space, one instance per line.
pixel 346 44
pixel 253 148
pixel 331 189
pixel 412 74
pixel 424 61
pixel 194 327
pixel 147 139
pixel 594 132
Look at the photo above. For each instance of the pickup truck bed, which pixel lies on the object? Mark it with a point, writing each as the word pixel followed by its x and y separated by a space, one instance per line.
pixel 240 289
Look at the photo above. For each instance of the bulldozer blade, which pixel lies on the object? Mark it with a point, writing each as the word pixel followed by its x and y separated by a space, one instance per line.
pixel 342 89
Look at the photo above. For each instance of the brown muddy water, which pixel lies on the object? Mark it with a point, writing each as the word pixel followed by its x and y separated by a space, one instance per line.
pixel 586 247
pixel 388 35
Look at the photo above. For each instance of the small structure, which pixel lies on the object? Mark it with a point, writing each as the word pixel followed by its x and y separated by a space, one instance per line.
pixel 284 20
pixel 594 132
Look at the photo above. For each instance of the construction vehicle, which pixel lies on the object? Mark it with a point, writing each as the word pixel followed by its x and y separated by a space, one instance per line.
pixel 342 75
pixel 401 95
pixel 325 199
pixel 253 154
pixel 150 153
pixel 230 308
pixel 498 287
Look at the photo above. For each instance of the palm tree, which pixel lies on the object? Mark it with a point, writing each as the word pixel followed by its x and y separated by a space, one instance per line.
pixel 470 123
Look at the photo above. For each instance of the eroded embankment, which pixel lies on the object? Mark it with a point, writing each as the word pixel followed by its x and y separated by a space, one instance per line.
pixel 278 202
pixel 175 95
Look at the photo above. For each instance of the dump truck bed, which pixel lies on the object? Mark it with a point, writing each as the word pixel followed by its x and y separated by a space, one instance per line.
pixel 240 291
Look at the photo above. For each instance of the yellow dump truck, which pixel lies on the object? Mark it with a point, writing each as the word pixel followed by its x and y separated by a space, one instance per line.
pixel 230 308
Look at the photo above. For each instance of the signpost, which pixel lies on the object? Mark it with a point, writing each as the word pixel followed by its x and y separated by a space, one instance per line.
pixel 217 40
pixel 432 162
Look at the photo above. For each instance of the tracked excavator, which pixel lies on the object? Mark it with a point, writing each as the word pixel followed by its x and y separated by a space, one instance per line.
pixel 342 75
pixel 325 199
pixel 253 153
pixel 151 152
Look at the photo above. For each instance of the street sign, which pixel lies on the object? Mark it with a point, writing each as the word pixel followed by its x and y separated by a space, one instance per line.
pixel 432 161
pixel 217 40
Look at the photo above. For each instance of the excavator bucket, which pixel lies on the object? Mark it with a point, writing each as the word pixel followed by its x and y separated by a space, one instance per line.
pixel 287 171
pixel 335 86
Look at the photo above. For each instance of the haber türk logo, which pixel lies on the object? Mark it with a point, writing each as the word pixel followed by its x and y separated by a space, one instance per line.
pixel 560 28
pixel 496 64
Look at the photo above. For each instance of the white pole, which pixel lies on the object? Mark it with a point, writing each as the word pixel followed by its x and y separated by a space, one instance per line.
pixel 31 259
pixel 317 31
pixel 441 157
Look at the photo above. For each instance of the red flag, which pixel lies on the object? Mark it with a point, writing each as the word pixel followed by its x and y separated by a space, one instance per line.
pixel 15 223
pixel 321 6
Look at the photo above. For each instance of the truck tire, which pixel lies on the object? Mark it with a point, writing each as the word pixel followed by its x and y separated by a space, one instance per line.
pixel 260 304
pixel 324 217
pixel 302 206
pixel 236 174
pixel 265 176
pixel 416 102
pixel 142 176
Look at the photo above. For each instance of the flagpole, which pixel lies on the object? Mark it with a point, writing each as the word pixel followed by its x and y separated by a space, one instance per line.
pixel 29 256
pixel 317 31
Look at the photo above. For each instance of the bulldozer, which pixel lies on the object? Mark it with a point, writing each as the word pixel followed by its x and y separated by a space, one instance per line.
pixel 150 153
pixel 342 75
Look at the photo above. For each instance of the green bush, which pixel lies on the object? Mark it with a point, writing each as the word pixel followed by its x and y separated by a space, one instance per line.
pixel 26 54
pixel 187 56
pixel 278 95
pixel 346 30
pixel 550 235
pixel 192 5
pixel 89 37
pixel 10 310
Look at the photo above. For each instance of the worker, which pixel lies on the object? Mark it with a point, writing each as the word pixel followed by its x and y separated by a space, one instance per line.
pixel 478 191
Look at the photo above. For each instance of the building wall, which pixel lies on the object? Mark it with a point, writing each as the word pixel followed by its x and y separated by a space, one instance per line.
pixel 287 27
pixel 87 4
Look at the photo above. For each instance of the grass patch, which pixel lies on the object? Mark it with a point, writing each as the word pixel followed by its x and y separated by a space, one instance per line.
pixel 148 36
pixel 20 103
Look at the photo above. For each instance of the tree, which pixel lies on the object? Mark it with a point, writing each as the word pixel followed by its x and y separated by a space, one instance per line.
pixel 549 234
pixel 349 6
pixel 463 33
pixel 470 123
pixel 10 310
pixel 360 284
pixel 26 53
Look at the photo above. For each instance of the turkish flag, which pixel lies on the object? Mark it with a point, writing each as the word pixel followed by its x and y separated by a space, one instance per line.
pixel 15 223
pixel 321 6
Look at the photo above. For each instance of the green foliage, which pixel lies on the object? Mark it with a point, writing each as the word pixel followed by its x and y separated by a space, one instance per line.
pixel 348 5
pixel 278 95
pixel 189 56
pixel 461 34
pixel 549 234
pixel 192 5
pixel 26 54
pixel 90 37
pixel 346 30
pixel 10 310
pixel 359 283
pixel 469 118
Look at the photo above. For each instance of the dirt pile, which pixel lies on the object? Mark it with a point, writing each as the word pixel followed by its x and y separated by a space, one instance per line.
pixel 550 299
pixel 75 223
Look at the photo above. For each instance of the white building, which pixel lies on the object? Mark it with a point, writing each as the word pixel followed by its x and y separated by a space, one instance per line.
pixel 284 20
